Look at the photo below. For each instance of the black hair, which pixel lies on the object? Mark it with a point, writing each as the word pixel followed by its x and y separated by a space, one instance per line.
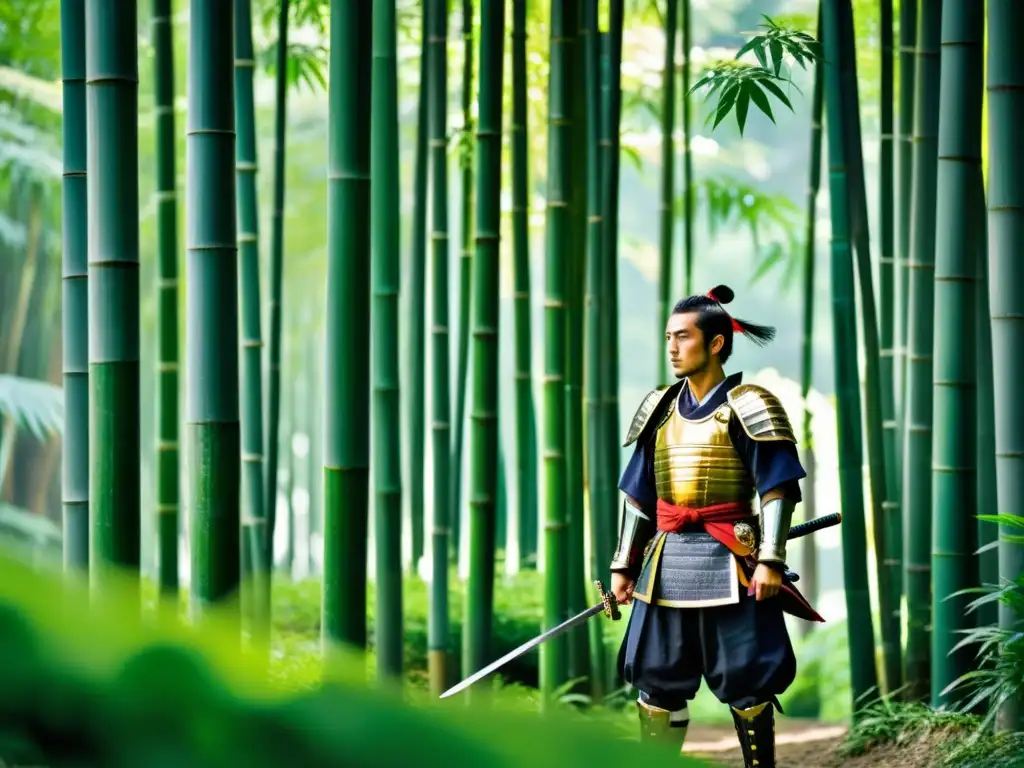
pixel 713 320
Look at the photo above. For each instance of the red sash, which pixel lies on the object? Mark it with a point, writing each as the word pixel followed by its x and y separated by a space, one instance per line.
pixel 718 520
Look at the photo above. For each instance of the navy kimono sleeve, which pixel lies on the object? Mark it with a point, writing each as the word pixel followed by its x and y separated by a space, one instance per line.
pixel 637 479
pixel 773 463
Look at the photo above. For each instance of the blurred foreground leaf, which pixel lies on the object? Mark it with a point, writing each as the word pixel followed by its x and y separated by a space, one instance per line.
pixel 98 684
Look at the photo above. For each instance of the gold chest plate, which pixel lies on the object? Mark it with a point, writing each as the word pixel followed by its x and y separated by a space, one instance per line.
pixel 695 463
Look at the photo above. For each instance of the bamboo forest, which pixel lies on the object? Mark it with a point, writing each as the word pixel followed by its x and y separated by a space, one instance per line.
pixel 417 382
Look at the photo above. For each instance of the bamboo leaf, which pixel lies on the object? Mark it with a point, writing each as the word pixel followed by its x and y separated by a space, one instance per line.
pixel 632 154
pixel 777 92
pixel 725 103
pixel 36 406
pixel 761 101
pixel 776 50
pixel 743 104
pixel 1002 519
pixel 22 524
pixel 41 92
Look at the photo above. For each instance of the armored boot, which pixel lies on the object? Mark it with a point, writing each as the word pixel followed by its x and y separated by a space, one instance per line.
pixel 755 727
pixel 657 724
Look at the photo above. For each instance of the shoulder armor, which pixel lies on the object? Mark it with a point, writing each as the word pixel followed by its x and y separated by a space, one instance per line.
pixel 760 413
pixel 643 414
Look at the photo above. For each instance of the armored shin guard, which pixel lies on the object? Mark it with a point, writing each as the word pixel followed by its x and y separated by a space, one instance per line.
pixel 661 725
pixel 756 730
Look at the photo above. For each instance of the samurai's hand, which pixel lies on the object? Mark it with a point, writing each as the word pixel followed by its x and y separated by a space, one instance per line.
pixel 767 581
pixel 622 588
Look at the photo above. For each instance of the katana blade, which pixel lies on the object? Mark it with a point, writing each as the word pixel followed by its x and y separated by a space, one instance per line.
pixel 607 605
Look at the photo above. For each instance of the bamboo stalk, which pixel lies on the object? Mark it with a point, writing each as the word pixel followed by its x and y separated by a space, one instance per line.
pixel 347 348
pixel 526 420
pixel 484 433
pixel 254 524
pixel 1006 241
pixel 863 677
pixel 916 485
pixel 384 189
pixel 466 159
pixel 112 108
pixel 667 205
pixel 75 286
pixel 276 280
pixel 443 511
pixel 415 389
pixel 211 299
pixel 600 544
pixel 554 653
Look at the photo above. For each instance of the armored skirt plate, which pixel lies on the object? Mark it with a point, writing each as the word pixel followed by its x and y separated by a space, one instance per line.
pixel 688 570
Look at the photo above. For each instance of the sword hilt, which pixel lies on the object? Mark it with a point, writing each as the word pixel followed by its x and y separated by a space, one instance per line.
pixel 611 605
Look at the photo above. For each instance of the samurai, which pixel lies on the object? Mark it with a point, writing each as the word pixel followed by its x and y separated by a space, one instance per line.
pixel 704 572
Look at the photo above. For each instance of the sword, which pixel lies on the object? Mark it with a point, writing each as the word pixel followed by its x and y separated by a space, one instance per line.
pixel 610 607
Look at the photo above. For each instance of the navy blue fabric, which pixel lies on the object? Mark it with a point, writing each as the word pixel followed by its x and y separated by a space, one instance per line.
pixel 743 651
pixel 773 464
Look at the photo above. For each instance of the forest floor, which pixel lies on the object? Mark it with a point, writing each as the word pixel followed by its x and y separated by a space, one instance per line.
pixel 808 744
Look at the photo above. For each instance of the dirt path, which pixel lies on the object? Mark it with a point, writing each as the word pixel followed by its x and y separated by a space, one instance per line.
pixel 799 744
pixel 809 744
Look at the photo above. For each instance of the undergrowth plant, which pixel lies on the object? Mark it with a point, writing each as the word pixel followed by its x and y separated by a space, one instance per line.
pixel 999 673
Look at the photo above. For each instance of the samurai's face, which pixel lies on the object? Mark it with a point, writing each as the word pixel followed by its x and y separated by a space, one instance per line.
pixel 688 354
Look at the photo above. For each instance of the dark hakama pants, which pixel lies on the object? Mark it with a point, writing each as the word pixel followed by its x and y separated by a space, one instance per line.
pixel 743 651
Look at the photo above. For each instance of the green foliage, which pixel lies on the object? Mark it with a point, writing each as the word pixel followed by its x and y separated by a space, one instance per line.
pixel 518 614
pixel 952 738
pixel 35 406
pixel 739 83
pixel 307 63
pixel 126 690
pixel 32 537
pixel 998 676
pixel 773 221
pixel 888 721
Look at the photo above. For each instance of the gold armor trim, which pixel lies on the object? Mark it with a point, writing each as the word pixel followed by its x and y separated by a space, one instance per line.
pixel 696 464
pixel 760 413
pixel 744 534
pixel 643 414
